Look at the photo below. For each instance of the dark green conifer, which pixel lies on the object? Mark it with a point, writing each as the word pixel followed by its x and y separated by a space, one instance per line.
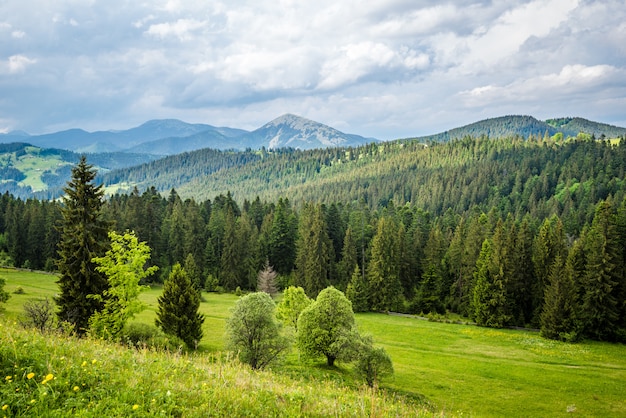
pixel 84 235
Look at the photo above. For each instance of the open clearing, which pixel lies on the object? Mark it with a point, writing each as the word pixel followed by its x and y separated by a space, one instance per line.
pixel 459 369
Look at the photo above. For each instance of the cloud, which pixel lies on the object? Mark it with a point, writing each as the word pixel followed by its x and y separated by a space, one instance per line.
pixel 182 29
pixel 384 68
pixel 18 63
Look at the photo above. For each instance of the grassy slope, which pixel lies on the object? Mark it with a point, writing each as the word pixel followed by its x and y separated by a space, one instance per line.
pixel 460 369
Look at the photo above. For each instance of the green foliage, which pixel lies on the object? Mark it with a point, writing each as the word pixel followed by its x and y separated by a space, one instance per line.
pixel 314 251
pixel 293 302
pixel 253 333
pixel 123 264
pixel 357 291
pixel 140 336
pixel 327 328
pixel 4 295
pixel 178 308
pixel 489 300
pixel 373 363
pixel 83 238
pixel 383 271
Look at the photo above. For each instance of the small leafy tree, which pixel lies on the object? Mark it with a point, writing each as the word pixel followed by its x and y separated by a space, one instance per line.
pixel 178 308
pixel 327 328
pixel 292 304
pixel 266 280
pixel 373 363
pixel 123 265
pixel 253 332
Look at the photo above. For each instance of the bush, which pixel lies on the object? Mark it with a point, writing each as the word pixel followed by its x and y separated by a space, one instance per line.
pixel 19 291
pixel 373 363
pixel 139 335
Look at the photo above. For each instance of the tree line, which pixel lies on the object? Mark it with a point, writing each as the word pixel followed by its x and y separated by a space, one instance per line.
pixel 561 270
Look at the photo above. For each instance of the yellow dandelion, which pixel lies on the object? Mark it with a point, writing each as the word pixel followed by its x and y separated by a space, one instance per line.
pixel 84 363
pixel 30 375
pixel 93 361
pixel 8 378
pixel 5 407
pixel 76 388
pixel 33 401
pixel 48 378
pixel 135 407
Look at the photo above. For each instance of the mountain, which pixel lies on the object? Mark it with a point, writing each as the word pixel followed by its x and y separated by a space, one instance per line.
pixel 572 126
pixel 297 132
pixel 27 171
pixel 80 141
pixel 171 136
pixel 526 126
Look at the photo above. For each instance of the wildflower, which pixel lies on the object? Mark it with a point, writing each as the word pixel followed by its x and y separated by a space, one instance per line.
pixel 30 375
pixel 76 388
pixel 93 361
pixel 32 401
pixel 48 378
pixel 5 407
pixel 8 378
pixel 135 407
pixel 84 363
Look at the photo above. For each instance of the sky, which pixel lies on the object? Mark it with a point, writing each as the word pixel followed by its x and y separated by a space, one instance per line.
pixel 378 68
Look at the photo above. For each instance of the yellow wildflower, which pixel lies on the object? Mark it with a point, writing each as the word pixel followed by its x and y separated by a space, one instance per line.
pixel 76 388
pixel 93 361
pixel 48 378
pixel 84 363
pixel 8 378
pixel 30 375
pixel 32 401
pixel 5 407
pixel 135 407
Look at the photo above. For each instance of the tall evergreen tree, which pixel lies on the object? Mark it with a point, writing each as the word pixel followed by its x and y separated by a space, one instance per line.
pixel 601 307
pixel 488 297
pixel 383 272
pixel 314 251
pixel 84 236
pixel 177 313
pixel 282 238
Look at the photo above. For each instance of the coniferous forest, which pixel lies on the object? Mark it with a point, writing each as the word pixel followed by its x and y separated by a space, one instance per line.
pixel 507 232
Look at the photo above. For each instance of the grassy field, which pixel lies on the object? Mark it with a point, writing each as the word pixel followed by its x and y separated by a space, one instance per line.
pixel 458 369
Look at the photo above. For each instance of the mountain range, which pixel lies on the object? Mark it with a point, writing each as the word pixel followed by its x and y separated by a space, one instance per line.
pixel 171 153
pixel 171 136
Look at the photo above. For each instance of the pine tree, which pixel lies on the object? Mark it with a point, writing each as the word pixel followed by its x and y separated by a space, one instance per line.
pixel 314 251
pixel 383 272
pixel 178 308
pixel 83 237
pixel 282 238
pixel 488 296
pixel 357 291
pixel 601 307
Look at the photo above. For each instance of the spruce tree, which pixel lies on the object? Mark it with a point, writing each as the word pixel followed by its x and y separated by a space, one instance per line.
pixel 383 271
pixel 357 291
pixel 178 308
pixel 488 296
pixel 83 237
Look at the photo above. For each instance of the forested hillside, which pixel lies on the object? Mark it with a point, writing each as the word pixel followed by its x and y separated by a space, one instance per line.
pixel 504 231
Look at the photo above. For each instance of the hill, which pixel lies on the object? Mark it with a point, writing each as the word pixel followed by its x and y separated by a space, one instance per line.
pixel 27 171
pixel 526 126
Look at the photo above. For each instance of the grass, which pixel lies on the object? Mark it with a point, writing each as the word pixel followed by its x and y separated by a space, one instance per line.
pixel 457 369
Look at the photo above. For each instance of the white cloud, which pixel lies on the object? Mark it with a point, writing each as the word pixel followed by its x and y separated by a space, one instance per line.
pixel 182 29
pixel 18 63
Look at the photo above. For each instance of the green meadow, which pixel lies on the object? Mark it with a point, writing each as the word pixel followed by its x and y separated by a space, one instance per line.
pixel 440 368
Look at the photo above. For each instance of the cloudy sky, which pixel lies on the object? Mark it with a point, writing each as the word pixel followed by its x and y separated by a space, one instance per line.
pixel 380 68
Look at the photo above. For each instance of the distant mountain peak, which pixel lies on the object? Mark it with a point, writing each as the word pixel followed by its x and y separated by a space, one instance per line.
pixel 295 131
